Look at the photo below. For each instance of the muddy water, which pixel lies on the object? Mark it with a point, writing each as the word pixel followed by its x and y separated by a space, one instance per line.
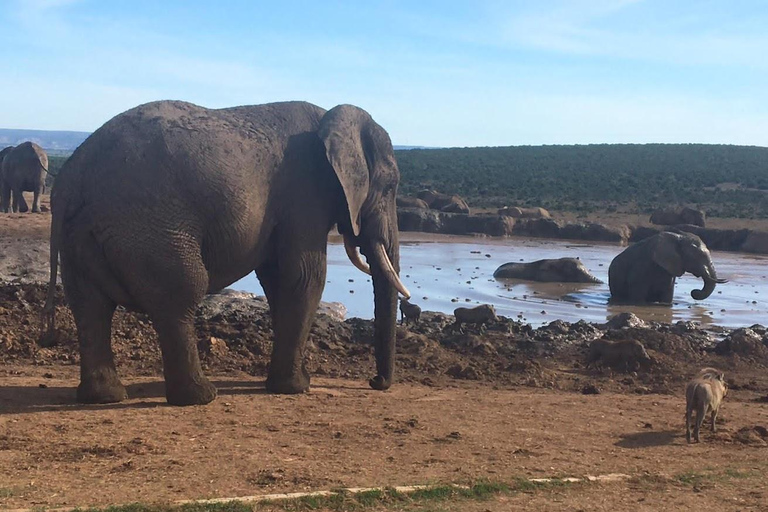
pixel 443 273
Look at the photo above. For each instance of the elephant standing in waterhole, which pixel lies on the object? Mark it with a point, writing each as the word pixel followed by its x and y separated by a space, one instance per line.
pixel 646 271
pixel 170 201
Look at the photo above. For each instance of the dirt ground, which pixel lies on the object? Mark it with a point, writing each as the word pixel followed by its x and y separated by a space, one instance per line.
pixel 498 402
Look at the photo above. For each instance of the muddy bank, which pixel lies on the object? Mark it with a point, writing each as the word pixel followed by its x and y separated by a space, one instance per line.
pixel 431 221
pixel 234 335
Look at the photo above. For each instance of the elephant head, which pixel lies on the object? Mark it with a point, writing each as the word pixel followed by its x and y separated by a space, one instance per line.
pixel 361 154
pixel 678 253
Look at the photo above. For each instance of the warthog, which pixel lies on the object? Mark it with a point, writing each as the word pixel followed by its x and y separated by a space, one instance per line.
pixel 703 394
pixel 408 311
pixel 622 355
pixel 481 314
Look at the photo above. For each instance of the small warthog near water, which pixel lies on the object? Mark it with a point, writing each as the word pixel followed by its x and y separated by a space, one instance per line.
pixel 409 312
pixel 481 314
pixel 625 355
pixel 704 393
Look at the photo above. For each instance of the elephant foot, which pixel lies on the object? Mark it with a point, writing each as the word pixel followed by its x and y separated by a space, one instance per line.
pixel 104 389
pixel 198 392
pixel 35 210
pixel 290 385
pixel 380 383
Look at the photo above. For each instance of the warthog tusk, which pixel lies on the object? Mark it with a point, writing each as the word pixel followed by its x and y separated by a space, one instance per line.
pixel 389 270
pixel 354 256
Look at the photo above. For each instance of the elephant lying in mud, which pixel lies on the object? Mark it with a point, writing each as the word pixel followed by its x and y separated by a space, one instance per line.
pixel 646 271
pixel 561 270
pixel 22 169
pixel 170 201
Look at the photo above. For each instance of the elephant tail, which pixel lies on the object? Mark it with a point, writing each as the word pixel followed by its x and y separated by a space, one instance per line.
pixel 49 310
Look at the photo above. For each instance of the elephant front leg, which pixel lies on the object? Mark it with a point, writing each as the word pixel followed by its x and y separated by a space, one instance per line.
pixel 185 383
pixel 294 293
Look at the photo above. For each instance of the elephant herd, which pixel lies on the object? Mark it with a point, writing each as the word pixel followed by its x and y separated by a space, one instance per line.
pixel 22 169
pixel 645 272
pixel 170 201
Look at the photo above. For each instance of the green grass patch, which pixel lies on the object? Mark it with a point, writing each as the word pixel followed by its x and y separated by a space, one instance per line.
pixel 735 473
pixel 341 501
pixel 7 492
pixel 693 478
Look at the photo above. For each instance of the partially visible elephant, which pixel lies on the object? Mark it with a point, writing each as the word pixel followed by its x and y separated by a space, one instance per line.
pixel 3 152
pixel 411 202
pixel 23 170
pixel 560 270
pixel 672 217
pixel 646 271
pixel 524 213
pixel 444 202
pixel 170 201
pixel 482 314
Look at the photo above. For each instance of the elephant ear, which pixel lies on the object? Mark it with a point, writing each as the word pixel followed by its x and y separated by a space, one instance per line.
pixel 353 143
pixel 667 255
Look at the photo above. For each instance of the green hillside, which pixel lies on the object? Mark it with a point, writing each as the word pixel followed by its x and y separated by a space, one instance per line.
pixel 727 181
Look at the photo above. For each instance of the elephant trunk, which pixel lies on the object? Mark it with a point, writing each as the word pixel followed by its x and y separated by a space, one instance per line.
pixel 710 280
pixel 385 263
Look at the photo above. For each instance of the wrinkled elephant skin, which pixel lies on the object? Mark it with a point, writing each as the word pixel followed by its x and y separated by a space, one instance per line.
pixel 560 270
pixel 646 271
pixel 170 201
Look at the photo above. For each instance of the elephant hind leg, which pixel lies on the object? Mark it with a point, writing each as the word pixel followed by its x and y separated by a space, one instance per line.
pixel 93 312
pixel 168 284
pixel 19 203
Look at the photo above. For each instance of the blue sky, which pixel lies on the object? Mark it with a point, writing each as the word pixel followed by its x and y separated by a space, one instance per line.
pixel 435 73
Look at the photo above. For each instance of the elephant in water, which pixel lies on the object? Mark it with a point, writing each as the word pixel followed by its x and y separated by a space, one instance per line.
pixel 645 272
pixel 561 270
pixel 170 201
pixel 23 170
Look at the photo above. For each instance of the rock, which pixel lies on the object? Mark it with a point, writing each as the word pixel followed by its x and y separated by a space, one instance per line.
pixel 626 355
pixel 744 342
pixel 335 310
pixel 755 436
pixel 524 213
pixel 214 346
pixel 672 217
pixel 411 202
pixel 590 389
pixel 444 202
pixel 756 242
pixel 624 321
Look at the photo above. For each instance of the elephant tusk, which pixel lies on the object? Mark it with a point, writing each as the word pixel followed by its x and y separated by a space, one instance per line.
pixel 389 270
pixel 354 256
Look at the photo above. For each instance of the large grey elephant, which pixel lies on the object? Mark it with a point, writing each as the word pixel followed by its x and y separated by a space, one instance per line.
pixel 169 201
pixel 646 271
pixel 23 170
pixel 559 270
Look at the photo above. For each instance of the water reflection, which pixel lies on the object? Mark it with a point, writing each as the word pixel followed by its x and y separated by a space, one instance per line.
pixel 447 272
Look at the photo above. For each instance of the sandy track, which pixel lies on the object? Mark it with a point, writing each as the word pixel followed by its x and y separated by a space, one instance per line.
pixel 54 452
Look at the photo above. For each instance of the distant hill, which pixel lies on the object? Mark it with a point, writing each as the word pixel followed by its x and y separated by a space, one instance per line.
pixel 53 141
pixel 725 180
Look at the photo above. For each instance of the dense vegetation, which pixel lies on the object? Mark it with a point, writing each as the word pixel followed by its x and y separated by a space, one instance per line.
pixel 727 181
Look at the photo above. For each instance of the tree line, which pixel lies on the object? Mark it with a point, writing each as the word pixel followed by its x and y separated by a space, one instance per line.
pixel 724 180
